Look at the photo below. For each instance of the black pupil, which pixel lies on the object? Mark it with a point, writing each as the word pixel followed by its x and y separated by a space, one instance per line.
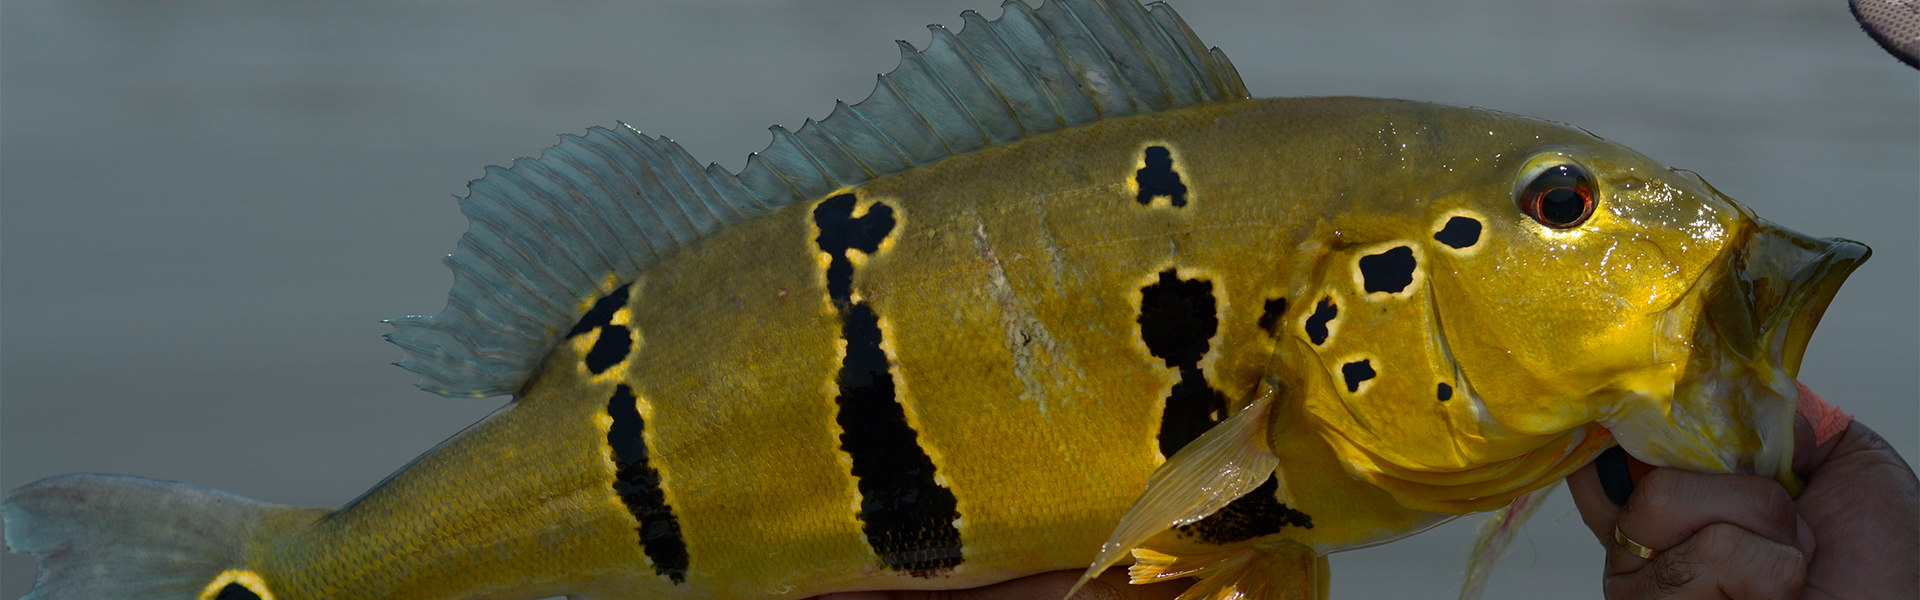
pixel 1561 206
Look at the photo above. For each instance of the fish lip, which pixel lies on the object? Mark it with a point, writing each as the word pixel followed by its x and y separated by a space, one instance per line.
pixel 1774 289
pixel 1814 288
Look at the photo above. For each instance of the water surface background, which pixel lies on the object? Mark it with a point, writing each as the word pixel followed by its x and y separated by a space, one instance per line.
pixel 206 207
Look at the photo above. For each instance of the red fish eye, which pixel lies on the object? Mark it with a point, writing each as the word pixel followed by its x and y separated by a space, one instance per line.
pixel 1561 197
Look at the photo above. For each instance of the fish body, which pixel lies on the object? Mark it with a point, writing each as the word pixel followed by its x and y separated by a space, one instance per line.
pixel 1027 350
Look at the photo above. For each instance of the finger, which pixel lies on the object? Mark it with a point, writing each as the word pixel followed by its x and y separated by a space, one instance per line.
pixel 1721 561
pixel 1599 512
pixel 1671 505
pixel 1111 585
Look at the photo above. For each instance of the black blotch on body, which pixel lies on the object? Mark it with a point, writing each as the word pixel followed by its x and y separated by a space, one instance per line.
pixel 1356 372
pixel 906 516
pixel 1445 392
pixel 602 312
pixel 840 232
pixel 1460 232
pixel 1176 322
pixel 1390 271
pixel 1257 514
pixel 612 347
pixel 615 341
pixel 1270 315
pixel 1158 178
pixel 1322 315
pixel 235 591
pixel 638 485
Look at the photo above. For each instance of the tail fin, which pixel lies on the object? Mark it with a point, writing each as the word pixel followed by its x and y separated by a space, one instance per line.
pixel 112 536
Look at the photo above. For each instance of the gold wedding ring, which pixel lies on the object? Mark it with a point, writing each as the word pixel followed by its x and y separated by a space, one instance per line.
pixel 1633 547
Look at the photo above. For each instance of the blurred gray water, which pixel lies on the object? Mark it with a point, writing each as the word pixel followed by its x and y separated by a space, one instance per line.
pixel 206 207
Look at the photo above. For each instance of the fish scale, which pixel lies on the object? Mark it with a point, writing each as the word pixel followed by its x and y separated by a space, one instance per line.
pixel 1211 332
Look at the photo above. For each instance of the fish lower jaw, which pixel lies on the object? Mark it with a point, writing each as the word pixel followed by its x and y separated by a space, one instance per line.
pixel 1726 414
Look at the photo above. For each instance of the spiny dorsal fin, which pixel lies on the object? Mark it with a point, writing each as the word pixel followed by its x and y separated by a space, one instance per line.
pixel 549 235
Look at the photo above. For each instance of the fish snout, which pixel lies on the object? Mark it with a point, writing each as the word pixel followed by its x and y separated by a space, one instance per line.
pixel 1775 287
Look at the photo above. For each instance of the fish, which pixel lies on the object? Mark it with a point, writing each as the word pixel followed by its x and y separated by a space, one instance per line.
pixel 1178 181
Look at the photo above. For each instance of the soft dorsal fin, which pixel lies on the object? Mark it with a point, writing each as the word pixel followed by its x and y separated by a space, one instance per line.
pixel 547 236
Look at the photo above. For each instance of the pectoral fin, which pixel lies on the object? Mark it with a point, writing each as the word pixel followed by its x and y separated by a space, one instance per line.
pixel 1223 464
pixel 1284 571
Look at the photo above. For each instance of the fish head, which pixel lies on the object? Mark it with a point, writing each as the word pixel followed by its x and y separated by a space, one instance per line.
pixel 1569 293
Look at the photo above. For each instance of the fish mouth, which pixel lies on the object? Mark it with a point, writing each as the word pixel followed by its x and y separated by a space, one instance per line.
pixel 1775 288
pixel 1733 410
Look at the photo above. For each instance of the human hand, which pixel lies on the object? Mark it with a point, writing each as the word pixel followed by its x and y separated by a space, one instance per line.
pixel 1854 532
pixel 1111 585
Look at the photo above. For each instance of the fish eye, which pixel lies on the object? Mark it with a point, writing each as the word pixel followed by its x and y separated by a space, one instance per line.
pixel 1560 197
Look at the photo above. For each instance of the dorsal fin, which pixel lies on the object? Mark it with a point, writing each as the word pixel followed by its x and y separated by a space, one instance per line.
pixel 548 236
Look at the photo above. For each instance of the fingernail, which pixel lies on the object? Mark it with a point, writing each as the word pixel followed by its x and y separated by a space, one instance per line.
pixel 1614 478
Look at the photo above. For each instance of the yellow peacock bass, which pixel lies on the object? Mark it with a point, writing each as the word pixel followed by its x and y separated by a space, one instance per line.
pixel 1059 292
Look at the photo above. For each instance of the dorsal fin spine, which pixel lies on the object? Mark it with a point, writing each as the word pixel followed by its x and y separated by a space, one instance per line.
pixel 700 220
pixel 903 122
pixel 1087 61
pixel 807 152
pixel 1151 45
pixel 582 213
pixel 495 319
pixel 558 236
pixel 781 187
pixel 858 126
pixel 701 182
pixel 549 236
pixel 487 237
pixel 938 95
pixel 1228 73
pixel 657 225
pixel 510 280
pixel 989 50
pixel 950 59
pixel 661 174
pixel 606 169
pixel 729 186
pixel 1192 55
pixel 829 150
pixel 1144 89
pixel 683 225
pixel 1049 63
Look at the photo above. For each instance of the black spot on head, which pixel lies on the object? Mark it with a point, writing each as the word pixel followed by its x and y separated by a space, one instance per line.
pixel 1177 322
pixel 840 232
pixel 1322 315
pixel 612 347
pixel 1460 232
pixel 1158 178
pixel 1270 315
pixel 637 484
pixel 602 312
pixel 1356 372
pixel 1445 392
pixel 1390 271
pixel 1257 514
pixel 235 591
